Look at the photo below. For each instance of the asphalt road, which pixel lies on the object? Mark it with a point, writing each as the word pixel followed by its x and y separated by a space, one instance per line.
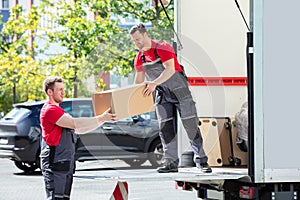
pixel 94 180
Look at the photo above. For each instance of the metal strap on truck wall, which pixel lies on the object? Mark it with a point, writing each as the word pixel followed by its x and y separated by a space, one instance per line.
pixel 217 81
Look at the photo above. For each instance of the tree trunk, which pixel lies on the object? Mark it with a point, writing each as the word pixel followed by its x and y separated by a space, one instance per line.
pixel 75 94
pixel 14 93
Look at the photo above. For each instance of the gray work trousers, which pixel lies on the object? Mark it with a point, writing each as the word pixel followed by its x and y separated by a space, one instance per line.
pixel 167 104
pixel 58 166
pixel 171 96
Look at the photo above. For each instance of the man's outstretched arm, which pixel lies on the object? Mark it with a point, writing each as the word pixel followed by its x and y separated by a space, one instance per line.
pixel 85 124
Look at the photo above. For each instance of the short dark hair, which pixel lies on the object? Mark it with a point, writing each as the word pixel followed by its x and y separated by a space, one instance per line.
pixel 50 81
pixel 139 27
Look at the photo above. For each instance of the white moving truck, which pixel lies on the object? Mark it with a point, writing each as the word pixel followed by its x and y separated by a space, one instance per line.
pixel 226 68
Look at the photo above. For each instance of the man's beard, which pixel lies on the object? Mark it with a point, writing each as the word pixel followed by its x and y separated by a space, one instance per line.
pixel 58 100
pixel 140 46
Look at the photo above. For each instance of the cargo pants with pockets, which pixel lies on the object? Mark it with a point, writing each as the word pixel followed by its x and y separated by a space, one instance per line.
pixel 58 166
pixel 171 96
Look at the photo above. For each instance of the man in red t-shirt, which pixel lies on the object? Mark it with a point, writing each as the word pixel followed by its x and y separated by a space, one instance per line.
pixel 158 62
pixel 58 140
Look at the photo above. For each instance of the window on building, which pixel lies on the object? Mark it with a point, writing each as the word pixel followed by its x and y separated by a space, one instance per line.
pixel 5 3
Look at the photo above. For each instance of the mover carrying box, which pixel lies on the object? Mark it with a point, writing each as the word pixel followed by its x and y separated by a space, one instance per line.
pixel 124 102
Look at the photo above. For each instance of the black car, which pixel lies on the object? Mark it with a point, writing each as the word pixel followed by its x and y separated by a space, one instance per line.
pixel 133 139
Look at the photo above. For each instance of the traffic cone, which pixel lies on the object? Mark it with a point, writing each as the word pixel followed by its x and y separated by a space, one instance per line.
pixel 120 192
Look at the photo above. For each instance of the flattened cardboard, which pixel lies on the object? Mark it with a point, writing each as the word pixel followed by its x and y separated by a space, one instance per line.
pixel 124 102
pixel 211 142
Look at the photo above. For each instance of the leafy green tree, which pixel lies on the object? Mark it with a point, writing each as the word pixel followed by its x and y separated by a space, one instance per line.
pixel 161 27
pixel 99 45
pixel 120 49
pixel 20 74
pixel 79 34
pixel 91 46
pixel 117 52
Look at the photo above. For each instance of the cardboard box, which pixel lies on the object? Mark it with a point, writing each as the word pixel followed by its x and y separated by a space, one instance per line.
pixel 216 142
pixel 124 102
pixel 211 142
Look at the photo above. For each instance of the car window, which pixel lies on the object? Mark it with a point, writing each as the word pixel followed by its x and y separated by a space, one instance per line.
pixel 148 115
pixel 86 111
pixel 78 109
pixel 127 119
pixel 16 113
pixel 153 115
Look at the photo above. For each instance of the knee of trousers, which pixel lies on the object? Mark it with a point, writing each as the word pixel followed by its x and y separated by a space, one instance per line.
pixel 191 128
pixel 167 131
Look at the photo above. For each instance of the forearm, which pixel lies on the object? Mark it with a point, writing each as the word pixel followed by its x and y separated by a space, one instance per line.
pixel 87 124
pixel 164 76
pixel 167 73
pixel 81 125
pixel 139 77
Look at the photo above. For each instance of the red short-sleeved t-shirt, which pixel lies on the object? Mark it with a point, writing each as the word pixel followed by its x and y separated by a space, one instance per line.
pixel 51 132
pixel 164 50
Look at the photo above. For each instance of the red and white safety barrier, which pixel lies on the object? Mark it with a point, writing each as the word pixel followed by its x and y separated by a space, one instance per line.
pixel 120 192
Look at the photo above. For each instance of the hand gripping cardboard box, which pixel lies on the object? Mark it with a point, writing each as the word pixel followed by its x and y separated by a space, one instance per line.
pixel 124 102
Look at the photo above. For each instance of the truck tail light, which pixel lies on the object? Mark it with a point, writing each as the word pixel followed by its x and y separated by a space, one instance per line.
pixel 247 192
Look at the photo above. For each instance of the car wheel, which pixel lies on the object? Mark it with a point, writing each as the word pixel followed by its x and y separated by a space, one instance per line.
pixel 156 153
pixel 38 161
pixel 135 162
pixel 26 167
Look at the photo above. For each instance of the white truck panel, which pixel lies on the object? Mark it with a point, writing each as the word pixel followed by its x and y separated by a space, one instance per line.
pixel 218 101
pixel 276 70
pixel 273 166
pixel 213 35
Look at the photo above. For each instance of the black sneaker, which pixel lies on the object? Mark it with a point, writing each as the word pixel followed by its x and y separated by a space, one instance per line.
pixel 205 168
pixel 167 168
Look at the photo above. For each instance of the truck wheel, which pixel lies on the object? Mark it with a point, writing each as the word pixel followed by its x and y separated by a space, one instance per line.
pixel 38 160
pixel 155 155
pixel 25 166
